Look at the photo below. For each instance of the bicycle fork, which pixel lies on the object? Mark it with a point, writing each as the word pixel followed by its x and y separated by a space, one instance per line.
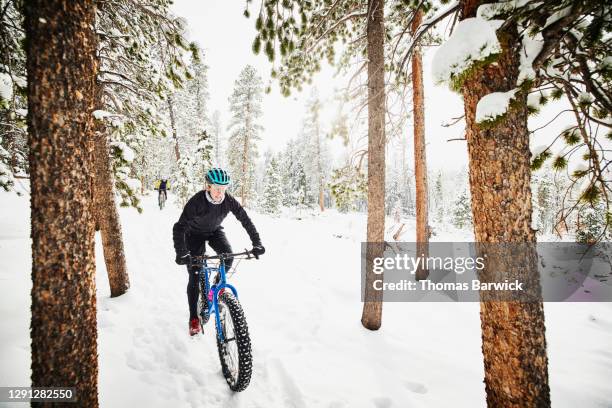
pixel 213 302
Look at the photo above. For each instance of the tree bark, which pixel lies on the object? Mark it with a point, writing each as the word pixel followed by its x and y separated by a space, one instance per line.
pixel 420 158
pixel 372 308
pixel 62 68
pixel 513 332
pixel 106 215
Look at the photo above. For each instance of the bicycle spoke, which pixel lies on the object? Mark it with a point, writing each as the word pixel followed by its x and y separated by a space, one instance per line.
pixel 230 346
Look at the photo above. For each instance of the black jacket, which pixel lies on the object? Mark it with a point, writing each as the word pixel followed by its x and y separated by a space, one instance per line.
pixel 203 217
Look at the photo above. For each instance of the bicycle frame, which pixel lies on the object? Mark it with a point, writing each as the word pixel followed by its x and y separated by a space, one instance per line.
pixel 213 305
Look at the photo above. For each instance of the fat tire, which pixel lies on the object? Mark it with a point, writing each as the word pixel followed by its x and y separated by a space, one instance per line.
pixel 243 340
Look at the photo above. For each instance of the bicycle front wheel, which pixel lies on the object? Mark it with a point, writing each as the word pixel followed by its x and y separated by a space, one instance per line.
pixel 235 349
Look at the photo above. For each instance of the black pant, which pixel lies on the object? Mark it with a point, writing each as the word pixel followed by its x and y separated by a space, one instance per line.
pixel 164 192
pixel 196 244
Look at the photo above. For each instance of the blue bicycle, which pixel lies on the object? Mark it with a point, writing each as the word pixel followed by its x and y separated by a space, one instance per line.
pixel 221 300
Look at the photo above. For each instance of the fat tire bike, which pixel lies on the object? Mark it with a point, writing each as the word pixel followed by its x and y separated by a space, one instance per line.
pixel 161 200
pixel 221 301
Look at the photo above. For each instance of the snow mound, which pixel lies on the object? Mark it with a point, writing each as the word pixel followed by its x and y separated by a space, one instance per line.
pixel 101 114
pixel 126 152
pixel 473 40
pixel 6 86
pixel 493 105
pixel 530 49
pixel 534 100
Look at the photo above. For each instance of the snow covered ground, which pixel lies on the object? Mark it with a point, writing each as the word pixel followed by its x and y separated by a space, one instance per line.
pixel 302 302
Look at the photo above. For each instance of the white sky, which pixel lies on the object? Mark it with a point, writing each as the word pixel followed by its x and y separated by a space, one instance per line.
pixel 225 36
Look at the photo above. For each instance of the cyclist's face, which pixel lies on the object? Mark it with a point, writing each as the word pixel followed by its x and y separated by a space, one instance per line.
pixel 217 192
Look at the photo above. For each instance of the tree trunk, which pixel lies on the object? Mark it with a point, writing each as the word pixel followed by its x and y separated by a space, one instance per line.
pixel 321 196
pixel 177 152
pixel 106 215
pixel 513 333
pixel 420 158
pixel 62 68
pixel 372 308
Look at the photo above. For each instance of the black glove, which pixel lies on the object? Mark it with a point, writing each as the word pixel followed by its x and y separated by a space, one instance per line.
pixel 183 258
pixel 258 250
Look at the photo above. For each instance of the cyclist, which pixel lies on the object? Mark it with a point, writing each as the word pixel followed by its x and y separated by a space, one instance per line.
pixel 162 185
pixel 199 223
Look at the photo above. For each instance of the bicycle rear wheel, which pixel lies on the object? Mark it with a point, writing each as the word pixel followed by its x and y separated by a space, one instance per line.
pixel 235 350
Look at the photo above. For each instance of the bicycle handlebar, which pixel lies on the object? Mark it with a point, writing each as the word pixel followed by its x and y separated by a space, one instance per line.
pixel 249 255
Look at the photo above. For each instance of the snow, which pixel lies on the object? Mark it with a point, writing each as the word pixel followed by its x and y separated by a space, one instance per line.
pixel 531 48
pixel 133 184
pixel 585 98
pixel 438 13
pixel 579 168
pixel 101 114
pixel 6 174
pixel 473 40
pixel 493 105
pixel 536 151
pixel 6 86
pixel 301 301
pixel 606 63
pixel 558 15
pixel 491 10
pixel 533 100
pixel 126 152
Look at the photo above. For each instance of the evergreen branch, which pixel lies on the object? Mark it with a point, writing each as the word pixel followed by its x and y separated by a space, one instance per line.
pixel 333 27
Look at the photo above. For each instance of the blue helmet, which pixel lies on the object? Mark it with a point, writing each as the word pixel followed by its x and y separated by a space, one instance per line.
pixel 218 176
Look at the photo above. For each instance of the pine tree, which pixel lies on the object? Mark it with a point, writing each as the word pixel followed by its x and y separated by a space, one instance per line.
pixel 438 199
pixel 462 211
pixel 393 192
pixel 13 101
pixel 543 203
pixel 203 157
pixel 142 55
pixel 189 108
pixel 245 107
pixel 322 24
pixel 513 333
pixel 420 157
pixel 61 60
pixel 272 198
pixel 216 139
pixel 302 191
pixel 348 187
pixel 316 167
pixel 185 180
pixel 591 224
pixel 290 161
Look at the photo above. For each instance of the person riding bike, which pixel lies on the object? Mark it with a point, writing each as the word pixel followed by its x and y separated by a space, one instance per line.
pixel 162 185
pixel 199 223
